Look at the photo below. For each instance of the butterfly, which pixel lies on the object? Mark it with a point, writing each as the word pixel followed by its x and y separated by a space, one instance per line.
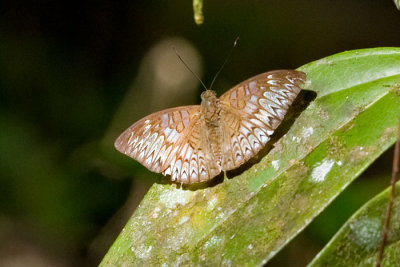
pixel 195 143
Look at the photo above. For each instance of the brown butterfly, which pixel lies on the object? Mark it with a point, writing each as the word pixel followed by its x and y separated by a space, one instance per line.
pixel 195 143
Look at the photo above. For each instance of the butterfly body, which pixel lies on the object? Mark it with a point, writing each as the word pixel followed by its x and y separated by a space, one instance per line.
pixel 212 134
pixel 195 143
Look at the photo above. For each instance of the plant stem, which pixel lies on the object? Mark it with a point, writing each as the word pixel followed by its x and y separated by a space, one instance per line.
pixel 395 172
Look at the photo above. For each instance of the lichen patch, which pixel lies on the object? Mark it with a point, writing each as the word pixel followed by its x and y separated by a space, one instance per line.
pixel 173 197
pixel 319 172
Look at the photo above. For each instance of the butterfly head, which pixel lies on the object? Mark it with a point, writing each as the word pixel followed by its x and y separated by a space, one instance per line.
pixel 209 98
pixel 208 95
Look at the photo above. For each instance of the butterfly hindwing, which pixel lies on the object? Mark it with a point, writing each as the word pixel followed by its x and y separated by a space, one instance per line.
pixel 252 110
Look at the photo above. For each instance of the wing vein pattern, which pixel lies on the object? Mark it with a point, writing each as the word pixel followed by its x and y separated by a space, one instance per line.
pixel 169 141
pixel 252 111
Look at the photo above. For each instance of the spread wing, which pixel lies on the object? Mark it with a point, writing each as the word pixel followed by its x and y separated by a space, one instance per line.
pixel 253 109
pixel 170 141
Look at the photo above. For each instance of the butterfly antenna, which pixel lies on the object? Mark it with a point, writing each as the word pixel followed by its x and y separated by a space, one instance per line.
pixel 226 60
pixel 184 63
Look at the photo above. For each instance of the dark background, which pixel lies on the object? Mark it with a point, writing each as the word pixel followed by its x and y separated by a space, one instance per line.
pixel 73 75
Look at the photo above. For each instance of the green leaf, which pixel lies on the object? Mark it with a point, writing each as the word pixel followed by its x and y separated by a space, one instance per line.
pixel 248 219
pixel 357 242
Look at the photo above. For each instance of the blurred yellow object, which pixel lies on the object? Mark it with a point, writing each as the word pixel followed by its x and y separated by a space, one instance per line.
pixel 198 11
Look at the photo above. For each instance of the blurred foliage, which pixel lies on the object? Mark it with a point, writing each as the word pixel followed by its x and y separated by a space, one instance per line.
pixel 397 3
pixel 65 68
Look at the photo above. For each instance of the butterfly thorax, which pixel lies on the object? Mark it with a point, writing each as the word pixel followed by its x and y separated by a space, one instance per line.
pixel 211 112
pixel 210 107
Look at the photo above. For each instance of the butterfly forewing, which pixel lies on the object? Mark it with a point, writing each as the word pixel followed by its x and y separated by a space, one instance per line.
pixel 252 110
pixel 170 141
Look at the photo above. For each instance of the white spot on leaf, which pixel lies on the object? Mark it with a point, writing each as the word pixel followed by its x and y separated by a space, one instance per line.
pixel 275 164
pixel 296 139
pixel 211 203
pixel 183 219
pixel 367 232
pixel 171 198
pixel 154 214
pixel 142 252
pixel 320 170
pixel 212 242
pixel 307 132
